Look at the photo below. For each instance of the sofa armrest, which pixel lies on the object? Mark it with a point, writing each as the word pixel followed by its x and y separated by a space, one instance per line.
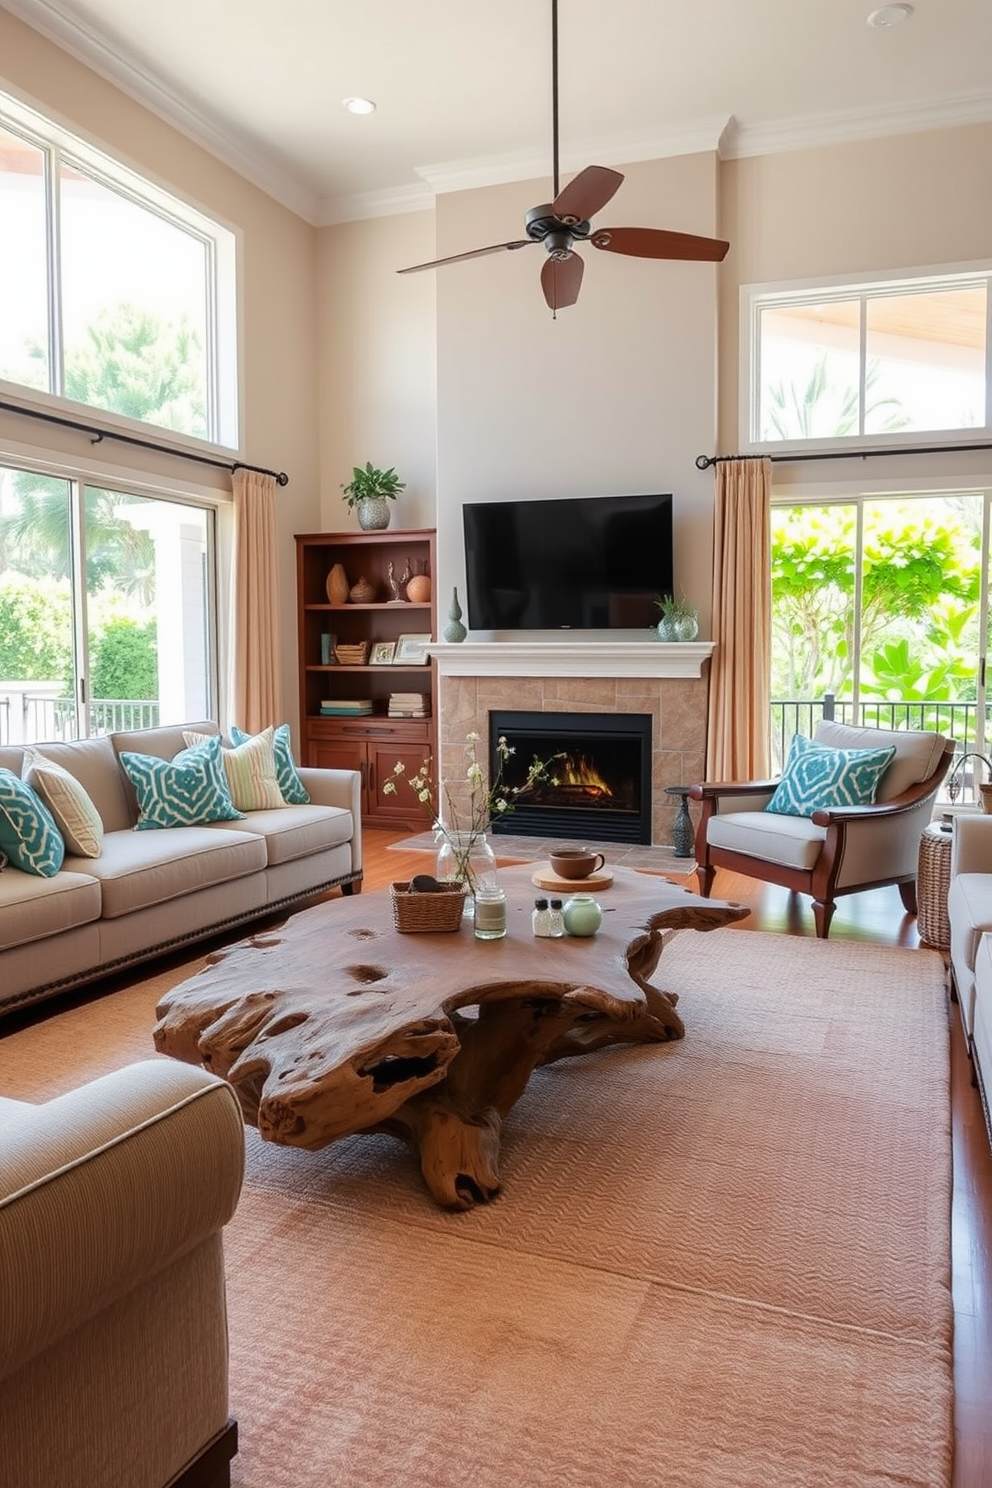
pixel 338 788
pixel 105 1186
pixel 971 844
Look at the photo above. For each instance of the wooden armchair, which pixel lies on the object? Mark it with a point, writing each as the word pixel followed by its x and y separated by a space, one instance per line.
pixel 835 851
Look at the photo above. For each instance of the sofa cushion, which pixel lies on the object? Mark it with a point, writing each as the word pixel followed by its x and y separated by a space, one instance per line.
pixel 791 841
pixel 187 791
pixel 28 832
pixel 75 815
pixel 817 778
pixel 93 762
pixel 139 869
pixel 294 792
pixel 298 831
pixel 250 769
pixel 918 752
pixel 32 908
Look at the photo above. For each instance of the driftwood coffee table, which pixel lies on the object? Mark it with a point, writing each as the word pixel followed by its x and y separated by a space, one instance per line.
pixel 336 1024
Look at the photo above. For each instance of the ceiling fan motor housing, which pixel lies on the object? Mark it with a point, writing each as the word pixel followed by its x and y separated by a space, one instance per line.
pixel 541 221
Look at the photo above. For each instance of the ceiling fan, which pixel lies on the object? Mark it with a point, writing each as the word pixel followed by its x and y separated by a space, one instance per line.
pixel 565 222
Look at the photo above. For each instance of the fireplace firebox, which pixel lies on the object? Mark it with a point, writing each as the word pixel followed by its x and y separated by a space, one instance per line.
pixel 602 776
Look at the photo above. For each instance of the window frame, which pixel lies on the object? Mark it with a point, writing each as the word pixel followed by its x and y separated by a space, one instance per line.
pixel 754 298
pixel 222 242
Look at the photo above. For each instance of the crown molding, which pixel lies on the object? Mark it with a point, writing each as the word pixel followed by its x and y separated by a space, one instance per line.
pixel 80 41
pixel 387 203
pixel 851 125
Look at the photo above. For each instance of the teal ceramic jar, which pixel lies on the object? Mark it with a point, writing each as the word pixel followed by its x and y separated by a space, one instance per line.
pixel 582 914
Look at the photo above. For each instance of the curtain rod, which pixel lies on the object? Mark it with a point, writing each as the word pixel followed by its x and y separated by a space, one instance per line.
pixel 703 462
pixel 98 435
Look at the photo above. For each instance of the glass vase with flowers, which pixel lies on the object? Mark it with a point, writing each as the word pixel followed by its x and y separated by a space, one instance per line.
pixel 462 814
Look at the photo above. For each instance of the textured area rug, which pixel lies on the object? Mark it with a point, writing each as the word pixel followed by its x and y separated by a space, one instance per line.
pixel 721 1263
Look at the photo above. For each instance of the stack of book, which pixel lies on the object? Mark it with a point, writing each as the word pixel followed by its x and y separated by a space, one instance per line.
pixel 345 707
pixel 409 705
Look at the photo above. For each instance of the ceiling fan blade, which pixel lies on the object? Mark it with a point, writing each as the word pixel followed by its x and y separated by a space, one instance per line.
pixel 561 280
pixel 473 253
pixel 586 194
pixel 656 242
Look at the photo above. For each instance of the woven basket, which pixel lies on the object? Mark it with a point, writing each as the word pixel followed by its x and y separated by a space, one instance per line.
pixel 440 910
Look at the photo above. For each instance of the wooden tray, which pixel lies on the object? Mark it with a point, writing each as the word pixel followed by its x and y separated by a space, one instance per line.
pixel 545 878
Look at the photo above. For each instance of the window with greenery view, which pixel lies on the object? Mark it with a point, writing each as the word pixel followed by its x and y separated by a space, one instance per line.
pixel 105 609
pixel 113 293
pixel 893 360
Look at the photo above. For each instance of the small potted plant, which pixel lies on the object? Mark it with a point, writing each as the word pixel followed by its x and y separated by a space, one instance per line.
pixel 369 491
pixel 679 621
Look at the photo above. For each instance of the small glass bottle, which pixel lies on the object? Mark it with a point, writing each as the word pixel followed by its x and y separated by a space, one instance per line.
pixel 490 913
pixel 556 920
pixel 541 919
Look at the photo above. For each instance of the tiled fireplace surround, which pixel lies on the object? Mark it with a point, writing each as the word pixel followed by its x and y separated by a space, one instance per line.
pixel 667 681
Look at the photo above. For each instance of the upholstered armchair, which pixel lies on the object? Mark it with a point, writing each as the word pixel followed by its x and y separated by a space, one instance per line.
pixel 113 1320
pixel 827 850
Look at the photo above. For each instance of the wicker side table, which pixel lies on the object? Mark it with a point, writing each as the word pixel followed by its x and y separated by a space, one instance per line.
pixel 933 879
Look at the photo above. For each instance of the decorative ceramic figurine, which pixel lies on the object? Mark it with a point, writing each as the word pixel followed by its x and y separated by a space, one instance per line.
pixel 455 630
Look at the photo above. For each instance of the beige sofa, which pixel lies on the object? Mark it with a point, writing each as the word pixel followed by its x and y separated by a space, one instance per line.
pixel 113 1318
pixel 969 911
pixel 151 891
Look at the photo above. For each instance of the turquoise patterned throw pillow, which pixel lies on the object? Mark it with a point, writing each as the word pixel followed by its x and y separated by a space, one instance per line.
pixel 185 792
pixel 816 778
pixel 28 834
pixel 294 792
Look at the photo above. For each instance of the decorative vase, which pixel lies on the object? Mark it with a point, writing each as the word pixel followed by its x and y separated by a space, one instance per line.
pixel 337 585
pixel 373 513
pixel 678 628
pixel 418 591
pixel 582 914
pixel 466 857
pixel 362 592
pixel 454 630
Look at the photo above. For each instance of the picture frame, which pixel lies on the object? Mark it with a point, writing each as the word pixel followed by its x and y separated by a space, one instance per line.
pixel 411 649
pixel 382 653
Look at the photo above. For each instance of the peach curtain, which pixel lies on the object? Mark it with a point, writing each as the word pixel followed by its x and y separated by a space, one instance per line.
pixel 256 612
pixel 737 743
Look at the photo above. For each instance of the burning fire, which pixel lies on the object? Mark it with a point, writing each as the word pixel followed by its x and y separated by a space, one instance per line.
pixel 575 772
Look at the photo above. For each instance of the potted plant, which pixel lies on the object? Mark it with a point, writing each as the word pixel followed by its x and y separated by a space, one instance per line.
pixel 369 491
pixel 679 621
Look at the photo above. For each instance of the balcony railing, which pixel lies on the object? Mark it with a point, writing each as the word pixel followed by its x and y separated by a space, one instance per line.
pixel 957 721
pixel 28 716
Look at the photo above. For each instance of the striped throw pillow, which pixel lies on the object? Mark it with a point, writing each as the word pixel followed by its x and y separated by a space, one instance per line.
pixel 294 792
pixel 76 817
pixel 250 769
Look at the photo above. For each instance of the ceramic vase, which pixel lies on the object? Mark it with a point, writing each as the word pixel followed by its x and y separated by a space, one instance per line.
pixel 373 513
pixel 337 585
pixel 455 630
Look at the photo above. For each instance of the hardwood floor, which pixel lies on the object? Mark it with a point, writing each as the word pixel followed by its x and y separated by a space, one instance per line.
pixel 878 917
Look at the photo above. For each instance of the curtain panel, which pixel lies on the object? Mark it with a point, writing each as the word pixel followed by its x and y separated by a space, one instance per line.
pixel 737 742
pixel 257 702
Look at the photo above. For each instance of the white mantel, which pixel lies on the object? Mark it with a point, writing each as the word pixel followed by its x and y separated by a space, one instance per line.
pixel 555 658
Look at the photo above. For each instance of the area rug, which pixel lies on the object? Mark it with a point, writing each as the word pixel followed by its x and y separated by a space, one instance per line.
pixel 719 1263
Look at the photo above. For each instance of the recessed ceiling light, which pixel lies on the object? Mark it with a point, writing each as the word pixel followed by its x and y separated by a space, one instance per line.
pixel 890 15
pixel 366 106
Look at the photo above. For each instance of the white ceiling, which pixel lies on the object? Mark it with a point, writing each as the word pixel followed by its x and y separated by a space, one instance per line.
pixel 463 88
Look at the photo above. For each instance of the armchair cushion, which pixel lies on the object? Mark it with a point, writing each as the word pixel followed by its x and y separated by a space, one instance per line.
pixel 819 778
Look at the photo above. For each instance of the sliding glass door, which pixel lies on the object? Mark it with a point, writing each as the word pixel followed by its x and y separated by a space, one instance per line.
pixel 880 614
pixel 106 609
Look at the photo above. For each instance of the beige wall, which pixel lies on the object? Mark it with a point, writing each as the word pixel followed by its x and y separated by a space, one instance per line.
pixel 278 277
pixel 377 395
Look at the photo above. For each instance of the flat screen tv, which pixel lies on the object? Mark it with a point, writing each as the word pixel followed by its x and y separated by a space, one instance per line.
pixel 574 562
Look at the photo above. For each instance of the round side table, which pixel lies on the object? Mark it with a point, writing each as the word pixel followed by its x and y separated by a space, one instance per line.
pixel 933 879
pixel 683 832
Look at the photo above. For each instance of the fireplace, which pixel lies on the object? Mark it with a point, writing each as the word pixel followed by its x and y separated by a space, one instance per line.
pixel 602 784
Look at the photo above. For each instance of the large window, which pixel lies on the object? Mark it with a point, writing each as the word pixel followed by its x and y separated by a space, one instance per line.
pixel 894 361
pixel 880 615
pixel 113 293
pixel 106 606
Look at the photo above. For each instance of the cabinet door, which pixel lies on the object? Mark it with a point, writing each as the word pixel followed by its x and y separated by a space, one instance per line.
pixel 337 754
pixel 400 806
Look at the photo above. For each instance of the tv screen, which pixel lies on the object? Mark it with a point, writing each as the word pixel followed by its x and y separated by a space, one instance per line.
pixel 580 562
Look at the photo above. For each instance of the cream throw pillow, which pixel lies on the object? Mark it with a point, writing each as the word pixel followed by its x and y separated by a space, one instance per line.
pixel 75 815
pixel 250 769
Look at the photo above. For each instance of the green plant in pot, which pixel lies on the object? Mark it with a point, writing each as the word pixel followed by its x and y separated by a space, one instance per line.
pixel 369 491
pixel 679 621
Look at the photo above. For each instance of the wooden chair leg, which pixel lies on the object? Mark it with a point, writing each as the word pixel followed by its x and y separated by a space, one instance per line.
pixel 705 874
pixel 907 893
pixel 823 913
